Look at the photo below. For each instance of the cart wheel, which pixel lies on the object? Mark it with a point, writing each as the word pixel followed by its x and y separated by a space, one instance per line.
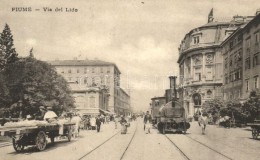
pixel 41 141
pixel 255 133
pixel 69 135
pixel 18 147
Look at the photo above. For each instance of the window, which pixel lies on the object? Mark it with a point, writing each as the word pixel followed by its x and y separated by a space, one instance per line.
pixel 196 40
pixel 226 79
pixel 247 85
pixel 226 62
pixel 239 57
pixel 231 45
pixel 93 70
pixel 108 70
pixel 248 44
pixel 198 76
pixel 77 70
pixel 240 38
pixel 101 70
pixel 85 70
pixel 247 65
pixel 209 75
pixel 230 62
pixel 69 71
pixel 230 78
pixel 69 78
pixel 62 70
pixel 255 60
pixel 256 82
pixel 256 38
pixel 85 81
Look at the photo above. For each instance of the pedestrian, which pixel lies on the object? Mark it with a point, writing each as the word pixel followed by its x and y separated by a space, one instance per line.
pixel 203 121
pixel 77 120
pixel 124 125
pixel 116 121
pixel 98 123
pixel 148 118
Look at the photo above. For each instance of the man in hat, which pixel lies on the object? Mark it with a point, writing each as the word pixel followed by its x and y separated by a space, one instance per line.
pixel 41 113
pixel 147 118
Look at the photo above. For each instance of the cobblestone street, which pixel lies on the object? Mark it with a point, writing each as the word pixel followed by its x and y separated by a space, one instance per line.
pixel 218 143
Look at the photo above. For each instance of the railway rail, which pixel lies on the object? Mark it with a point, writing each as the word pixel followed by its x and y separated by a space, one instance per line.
pixel 187 157
pixel 86 155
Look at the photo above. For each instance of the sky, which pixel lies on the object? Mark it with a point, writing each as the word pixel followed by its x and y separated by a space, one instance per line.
pixel 141 36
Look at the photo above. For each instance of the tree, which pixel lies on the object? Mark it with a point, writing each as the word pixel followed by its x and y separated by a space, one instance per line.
pixel 213 107
pixel 36 83
pixel 252 106
pixel 7 50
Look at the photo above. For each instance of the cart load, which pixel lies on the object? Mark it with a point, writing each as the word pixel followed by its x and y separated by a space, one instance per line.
pixel 34 132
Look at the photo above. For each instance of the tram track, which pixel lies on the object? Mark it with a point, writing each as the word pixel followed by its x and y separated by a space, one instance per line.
pixel 5 144
pixel 176 146
pixel 85 156
pixel 129 143
pixel 209 147
pixel 185 155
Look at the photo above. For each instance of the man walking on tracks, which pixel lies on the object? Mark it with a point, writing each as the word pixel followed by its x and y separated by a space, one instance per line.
pixel 147 119
pixel 98 123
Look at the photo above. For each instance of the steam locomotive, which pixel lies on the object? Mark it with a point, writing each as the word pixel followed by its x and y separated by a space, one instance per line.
pixel 171 116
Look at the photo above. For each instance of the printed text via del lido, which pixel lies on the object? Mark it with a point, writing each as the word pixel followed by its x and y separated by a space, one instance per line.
pixel 44 9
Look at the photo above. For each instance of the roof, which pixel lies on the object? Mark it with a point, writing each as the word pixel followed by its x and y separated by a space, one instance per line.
pixel 242 28
pixel 214 24
pixel 82 63
pixel 154 98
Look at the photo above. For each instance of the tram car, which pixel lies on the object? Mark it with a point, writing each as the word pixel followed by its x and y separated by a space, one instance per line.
pixel 156 104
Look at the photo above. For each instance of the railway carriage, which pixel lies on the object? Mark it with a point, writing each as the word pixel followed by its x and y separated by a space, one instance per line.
pixel 156 104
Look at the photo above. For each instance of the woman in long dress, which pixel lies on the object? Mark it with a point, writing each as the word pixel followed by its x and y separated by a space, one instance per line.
pixel 203 121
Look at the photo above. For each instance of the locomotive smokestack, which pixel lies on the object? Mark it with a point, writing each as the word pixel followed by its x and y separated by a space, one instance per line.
pixel 173 85
pixel 173 89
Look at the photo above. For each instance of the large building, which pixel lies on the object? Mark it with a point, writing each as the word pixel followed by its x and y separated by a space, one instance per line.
pixel 201 62
pixel 94 73
pixel 242 60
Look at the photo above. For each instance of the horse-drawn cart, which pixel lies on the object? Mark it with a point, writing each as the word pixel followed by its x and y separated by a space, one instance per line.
pixel 255 128
pixel 36 135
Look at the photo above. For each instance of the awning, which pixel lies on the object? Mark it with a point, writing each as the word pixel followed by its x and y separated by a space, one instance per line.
pixel 107 112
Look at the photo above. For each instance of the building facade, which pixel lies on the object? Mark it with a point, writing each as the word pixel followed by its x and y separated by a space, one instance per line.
pixel 93 73
pixel 91 100
pixel 242 61
pixel 201 62
pixel 123 103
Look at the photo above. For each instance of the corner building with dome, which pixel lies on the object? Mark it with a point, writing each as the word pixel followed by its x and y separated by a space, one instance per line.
pixel 201 62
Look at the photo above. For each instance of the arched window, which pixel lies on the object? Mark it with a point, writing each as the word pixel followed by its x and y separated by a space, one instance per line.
pixel 197 99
